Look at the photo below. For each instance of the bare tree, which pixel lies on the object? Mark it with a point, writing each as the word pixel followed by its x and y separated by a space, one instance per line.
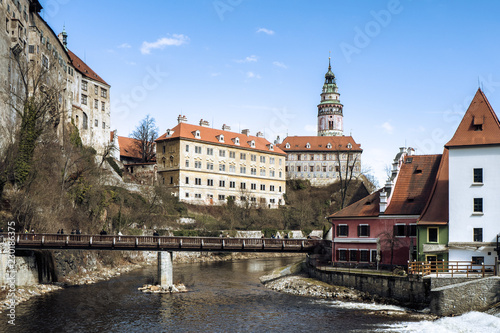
pixel 346 171
pixel 145 134
pixel 389 241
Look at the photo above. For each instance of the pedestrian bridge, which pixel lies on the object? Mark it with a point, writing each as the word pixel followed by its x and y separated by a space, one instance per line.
pixel 163 243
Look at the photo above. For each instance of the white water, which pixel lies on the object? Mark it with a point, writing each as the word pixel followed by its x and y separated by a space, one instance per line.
pixel 361 306
pixel 470 322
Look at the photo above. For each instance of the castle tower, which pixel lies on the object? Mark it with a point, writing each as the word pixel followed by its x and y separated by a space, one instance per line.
pixel 330 114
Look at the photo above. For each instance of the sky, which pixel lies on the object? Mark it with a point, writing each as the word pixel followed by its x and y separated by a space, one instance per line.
pixel 406 70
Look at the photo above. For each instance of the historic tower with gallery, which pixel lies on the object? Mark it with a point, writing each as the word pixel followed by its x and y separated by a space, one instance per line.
pixel 330 114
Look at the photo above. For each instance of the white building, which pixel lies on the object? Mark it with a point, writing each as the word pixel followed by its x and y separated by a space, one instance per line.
pixel 474 184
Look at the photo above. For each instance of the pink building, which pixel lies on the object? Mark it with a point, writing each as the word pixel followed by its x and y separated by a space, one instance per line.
pixel 381 229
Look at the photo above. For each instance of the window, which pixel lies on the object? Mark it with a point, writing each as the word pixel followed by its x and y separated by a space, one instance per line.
pixel 104 93
pixel 103 125
pixel 478 175
pixel 232 184
pixel 253 171
pixel 262 159
pixel 222 197
pixel 477 260
pixel 478 205
pixel 253 186
pixel 243 169
pixel 187 180
pixel 84 99
pixel 342 230
pixel 243 186
pixel 84 85
pixel 96 89
pixel 232 168
pixel 262 172
pixel 210 166
pixel 280 175
pixel 197 181
pixel 222 153
pixel 271 160
pixel 96 104
pixel 400 230
pixel 210 151
pixel 412 230
pixel 187 163
pixel 478 234
pixel 210 182
pixel 96 123
pixel 272 201
pixel 299 157
pixel 271 188
pixel 187 194
pixel 197 149
pixel 364 255
pixel 432 235
pixel 373 256
pixel 31 48
pixel 222 167
pixel 232 154
pixel 253 158
pixel 311 168
pixel 262 187
pixel 197 164
pixel 197 195
pixel 103 106
pixel 279 189
pixel 187 148
pixel 342 255
pixel 298 168
pixel 353 255
pixel 363 230
pixel 171 180
pixel 271 173
pixel 243 198
pixel 243 156
pixel 222 183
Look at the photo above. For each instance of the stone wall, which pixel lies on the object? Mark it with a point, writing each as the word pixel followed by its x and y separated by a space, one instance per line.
pixel 456 299
pixel 414 293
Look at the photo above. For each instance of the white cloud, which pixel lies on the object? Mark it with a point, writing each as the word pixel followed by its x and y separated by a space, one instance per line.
pixel 387 127
pixel 266 31
pixel 252 58
pixel 252 75
pixel 175 40
pixel 280 64
pixel 124 46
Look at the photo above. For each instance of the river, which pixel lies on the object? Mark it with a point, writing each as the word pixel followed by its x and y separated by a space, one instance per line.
pixel 223 297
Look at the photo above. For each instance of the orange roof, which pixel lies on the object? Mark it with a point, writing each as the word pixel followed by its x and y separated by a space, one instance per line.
pixel 319 143
pixel 369 206
pixel 479 126
pixel 414 184
pixel 211 135
pixel 129 147
pixel 84 68
pixel 436 210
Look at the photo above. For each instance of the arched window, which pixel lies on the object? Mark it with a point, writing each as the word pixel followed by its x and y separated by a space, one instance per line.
pixel 85 121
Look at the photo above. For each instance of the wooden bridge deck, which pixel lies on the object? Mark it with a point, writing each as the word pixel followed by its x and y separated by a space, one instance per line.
pixel 163 243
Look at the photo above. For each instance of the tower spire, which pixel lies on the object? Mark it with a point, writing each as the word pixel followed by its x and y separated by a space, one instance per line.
pixel 330 110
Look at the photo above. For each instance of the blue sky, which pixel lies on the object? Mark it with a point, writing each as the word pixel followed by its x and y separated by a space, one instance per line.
pixel 406 70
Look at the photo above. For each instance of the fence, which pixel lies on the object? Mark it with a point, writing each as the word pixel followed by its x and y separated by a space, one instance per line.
pixel 450 268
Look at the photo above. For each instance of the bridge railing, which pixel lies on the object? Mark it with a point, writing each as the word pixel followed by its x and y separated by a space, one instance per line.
pixel 198 243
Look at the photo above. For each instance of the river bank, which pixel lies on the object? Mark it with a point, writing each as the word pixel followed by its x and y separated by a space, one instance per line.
pixel 292 280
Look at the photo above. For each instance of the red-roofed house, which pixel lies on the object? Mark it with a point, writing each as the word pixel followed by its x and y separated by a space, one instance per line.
pixel 474 185
pixel 204 165
pixel 381 228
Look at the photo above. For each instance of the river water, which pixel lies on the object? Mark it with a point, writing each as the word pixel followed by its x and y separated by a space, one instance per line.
pixel 223 297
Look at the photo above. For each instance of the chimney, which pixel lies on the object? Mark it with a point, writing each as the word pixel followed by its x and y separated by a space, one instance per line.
pixel 226 127
pixel 182 119
pixel 383 201
pixel 204 123
pixel 259 134
pixel 245 132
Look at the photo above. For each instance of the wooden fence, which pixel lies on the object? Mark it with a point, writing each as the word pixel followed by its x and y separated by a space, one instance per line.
pixel 450 268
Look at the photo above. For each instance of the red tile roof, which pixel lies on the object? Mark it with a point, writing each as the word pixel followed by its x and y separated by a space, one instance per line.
pixel 129 147
pixel 319 143
pixel 413 185
pixel 84 68
pixel 480 114
pixel 211 135
pixel 436 209
pixel 367 207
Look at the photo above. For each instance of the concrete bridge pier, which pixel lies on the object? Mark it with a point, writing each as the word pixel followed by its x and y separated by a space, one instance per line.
pixel 165 269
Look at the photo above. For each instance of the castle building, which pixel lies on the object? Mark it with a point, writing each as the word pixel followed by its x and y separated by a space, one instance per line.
pixel 29 46
pixel 329 156
pixel 202 165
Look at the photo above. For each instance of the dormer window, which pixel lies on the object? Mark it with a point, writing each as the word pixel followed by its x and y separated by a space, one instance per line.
pixel 236 141
pixel 221 137
pixel 252 143
pixel 329 145
pixel 478 123
pixel 308 145
pixel 271 146
pixel 168 133
pixel 349 146
pixel 197 134
pixel 287 146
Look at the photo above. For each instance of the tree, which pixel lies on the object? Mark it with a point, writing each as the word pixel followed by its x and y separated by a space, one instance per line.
pixel 145 134
pixel 345 171
pixel 389 241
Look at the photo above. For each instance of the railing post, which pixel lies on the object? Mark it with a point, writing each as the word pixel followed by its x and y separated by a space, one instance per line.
pixel 67 240
pixel 201 246
pixel 263 244
pixel 90 241
pixel 43 240
pixel 243 244
pixel 136 242
pixel 114 241
pixel 223 243
pixel 180 243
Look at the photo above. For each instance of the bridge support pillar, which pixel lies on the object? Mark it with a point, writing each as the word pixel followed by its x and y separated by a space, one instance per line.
pixel 165 269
